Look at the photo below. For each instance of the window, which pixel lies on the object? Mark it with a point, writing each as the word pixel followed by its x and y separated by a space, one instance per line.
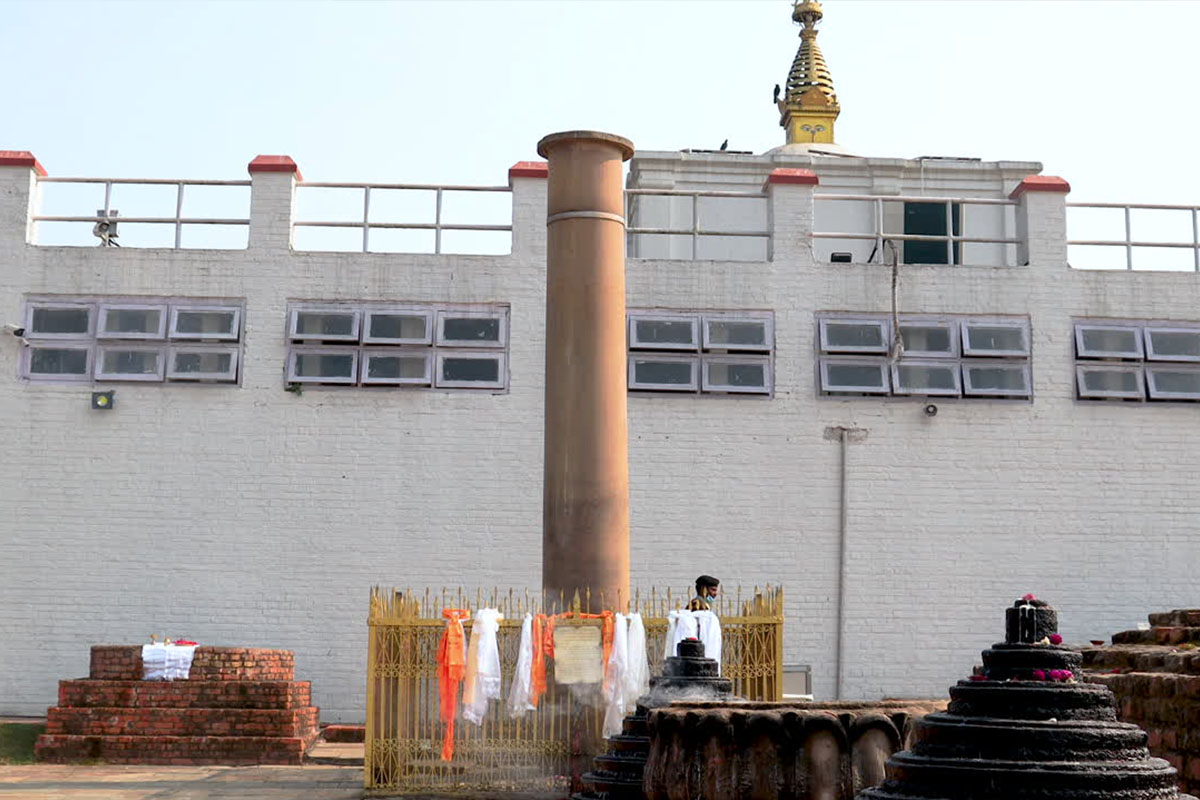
pixel 1131 360
pixel 930 219
pixel 136 339
pixel 714 352
pixel 398 345
pixel 938 356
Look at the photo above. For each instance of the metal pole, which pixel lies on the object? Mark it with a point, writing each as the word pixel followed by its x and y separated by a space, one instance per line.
pixel 841 606
pixel 366 225
pixel 1128 241
pixel 178 216
pixel 437 221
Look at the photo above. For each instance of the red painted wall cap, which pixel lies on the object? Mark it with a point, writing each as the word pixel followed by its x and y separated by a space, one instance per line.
pixel 20 158
pixel 529 169
pixel 804 177
pixel 1040 183
pixel 274 164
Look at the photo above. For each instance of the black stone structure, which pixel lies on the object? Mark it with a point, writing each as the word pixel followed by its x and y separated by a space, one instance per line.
pixel 688 675
pixel 1024 730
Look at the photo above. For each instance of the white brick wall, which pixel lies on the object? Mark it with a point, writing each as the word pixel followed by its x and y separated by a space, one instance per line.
pixel 250 516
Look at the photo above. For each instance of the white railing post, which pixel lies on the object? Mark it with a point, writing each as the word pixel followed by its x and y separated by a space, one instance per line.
pixel 1042 221
pixel 790 214
pixel 19 195
pixel 272 202
pixel 528 181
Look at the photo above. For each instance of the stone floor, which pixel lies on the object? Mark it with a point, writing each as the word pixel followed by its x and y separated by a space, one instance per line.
pixel 133 782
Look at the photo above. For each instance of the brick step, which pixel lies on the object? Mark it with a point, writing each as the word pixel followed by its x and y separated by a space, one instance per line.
pixel 1159 635
pixel 239 722
pixel 123 662
pixel 343 754
pixel 344 734
pixel 1179 617
pixel 231 750
pixel 88 693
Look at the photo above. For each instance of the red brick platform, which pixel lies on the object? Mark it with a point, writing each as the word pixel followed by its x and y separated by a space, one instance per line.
pixel 239 706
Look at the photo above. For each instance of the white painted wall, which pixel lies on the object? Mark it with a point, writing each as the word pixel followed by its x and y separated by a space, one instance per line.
pixel 246 515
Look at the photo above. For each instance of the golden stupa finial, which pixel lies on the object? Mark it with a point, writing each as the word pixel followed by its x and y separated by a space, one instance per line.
pixel 810 106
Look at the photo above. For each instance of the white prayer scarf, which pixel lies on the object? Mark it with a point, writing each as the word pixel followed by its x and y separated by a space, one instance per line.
pixel 482 681
pixel 615 675
pixel 162 662
pixel 681 625
pixel 710 633
pixel 521 691
pixel 637 676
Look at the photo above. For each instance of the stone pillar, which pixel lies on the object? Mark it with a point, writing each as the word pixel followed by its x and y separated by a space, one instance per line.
pixel 1042 222
pixel 272 202
pixel 19 172
pixel 790 210
pixel 585 509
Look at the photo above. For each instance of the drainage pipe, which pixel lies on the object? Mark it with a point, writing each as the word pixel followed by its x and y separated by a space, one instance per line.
pixel 844 437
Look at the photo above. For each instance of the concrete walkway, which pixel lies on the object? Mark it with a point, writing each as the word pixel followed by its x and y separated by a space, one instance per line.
pixel 140 782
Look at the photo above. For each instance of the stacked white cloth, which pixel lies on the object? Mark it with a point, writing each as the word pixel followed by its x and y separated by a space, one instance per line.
pixel 521 691
pixel 627 674
pixel 702 625
pixel 167 662
pixel 482 681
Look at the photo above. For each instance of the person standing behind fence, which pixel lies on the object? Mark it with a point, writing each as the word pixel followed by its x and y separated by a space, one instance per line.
pixel 707 589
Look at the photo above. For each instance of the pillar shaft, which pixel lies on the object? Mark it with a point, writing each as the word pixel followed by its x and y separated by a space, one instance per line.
pixel 585 512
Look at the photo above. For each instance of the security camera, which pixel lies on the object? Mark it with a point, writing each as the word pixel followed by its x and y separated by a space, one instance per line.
pixel 15 330
pixel 931 410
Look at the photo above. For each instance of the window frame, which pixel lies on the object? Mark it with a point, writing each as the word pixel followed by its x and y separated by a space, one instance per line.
pixel 365 360
pixel 946 323
pixel 103 309
pixel 900 390
pixel 32 305
pixel 1154 393
pixel 234 335
pixel 1099 366
pixel 428 314
pixel 500 314
pixel 126 377
pixel 708 385
pixel 634 343
pixel 767 320
pixel 987 363
pixel 1023 325
pixel 880 362
pixel 632 384
pixel 501 381
pixel 292 377
pixel 1082 352
pixel 294 318
pixel 1148 330
pixel 884 328
pixel 206 377
pixel 58 377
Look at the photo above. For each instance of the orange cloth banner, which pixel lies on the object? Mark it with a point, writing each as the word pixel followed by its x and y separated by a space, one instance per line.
pixel 452 666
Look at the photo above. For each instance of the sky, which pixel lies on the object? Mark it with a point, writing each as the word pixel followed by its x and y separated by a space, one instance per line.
pixel 1101 92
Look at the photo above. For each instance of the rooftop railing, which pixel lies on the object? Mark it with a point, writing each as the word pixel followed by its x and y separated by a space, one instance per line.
pixel 1166 233
pixel 753 232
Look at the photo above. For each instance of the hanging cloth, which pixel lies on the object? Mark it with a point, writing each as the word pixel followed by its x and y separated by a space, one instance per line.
pixel 681 625
pixel 637 676
pixel 483 666
pixel 615 670
pixel 451 663
pixel 537 671
pixel 520 695
pixel 710 633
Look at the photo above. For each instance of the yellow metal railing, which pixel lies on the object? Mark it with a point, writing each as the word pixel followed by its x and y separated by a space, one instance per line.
pixel 549 748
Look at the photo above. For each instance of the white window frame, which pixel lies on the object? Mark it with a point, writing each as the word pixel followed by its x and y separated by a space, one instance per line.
pixel 1087 394
pixel 1152 356
pixel 501 381
pixel 227 377
pixel 760 318
pixel 367 355
pixel 1081 350
pixel 691 386
pixel 62 377
pixel 450 313
pixel 352 379
pixel 157 335
pixel 633 317
pixel 294 319
pixel 944 323
pixel 155 377
pixel 234 334
pixel 899 388
pixel 994 322
pixel 884 335
pixel 398 311
pixel 709 386
pixel 1151 380
pixel 880 363
pixel 982 363
pixel 34 305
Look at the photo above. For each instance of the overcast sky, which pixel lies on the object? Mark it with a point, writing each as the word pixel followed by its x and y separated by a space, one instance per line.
pixel 1103 93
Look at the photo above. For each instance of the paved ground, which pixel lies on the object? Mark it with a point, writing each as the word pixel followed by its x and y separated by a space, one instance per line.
pixel 120 782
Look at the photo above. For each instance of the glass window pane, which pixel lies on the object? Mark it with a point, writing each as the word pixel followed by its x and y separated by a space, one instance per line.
pixel 664 331
pixel 854 375
pixel 321 323
pixel 200 363
pixel 132 320
pixel 926 338
pixel 1001 338
pixel 1110 340
pixel 732 332
pixel 853 335
pixel 324 365
pixel 1175 344
pixel 997 379
pixel 397 326
pixel 471 329
pixel 482 370
pixel 1176 382
pixel 730 374
pixel 663 372
pixel 57 361
pixel 916 377
pixel 129 362
pixel 1101 382
pixel 60 321
pixel 396 368
pixel 200 323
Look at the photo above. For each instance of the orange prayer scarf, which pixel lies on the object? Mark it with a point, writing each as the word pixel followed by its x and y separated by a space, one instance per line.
pixel 543 646
pixel 452 666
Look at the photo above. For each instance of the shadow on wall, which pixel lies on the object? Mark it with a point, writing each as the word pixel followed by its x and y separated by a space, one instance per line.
pixel 810 751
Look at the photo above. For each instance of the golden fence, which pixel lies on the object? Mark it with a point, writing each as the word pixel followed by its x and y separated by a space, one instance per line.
pixel 544 750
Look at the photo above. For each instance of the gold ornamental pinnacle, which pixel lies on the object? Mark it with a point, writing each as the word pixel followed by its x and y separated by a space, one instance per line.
pixel 810 106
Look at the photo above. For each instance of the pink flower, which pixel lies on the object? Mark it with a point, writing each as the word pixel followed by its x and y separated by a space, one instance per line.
pixel 1029 597
pixel 1055 639
pixel 1056 674
pixel 1038 675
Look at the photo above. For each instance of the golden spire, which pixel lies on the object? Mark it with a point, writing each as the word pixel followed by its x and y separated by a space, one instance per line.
pixel 810 105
